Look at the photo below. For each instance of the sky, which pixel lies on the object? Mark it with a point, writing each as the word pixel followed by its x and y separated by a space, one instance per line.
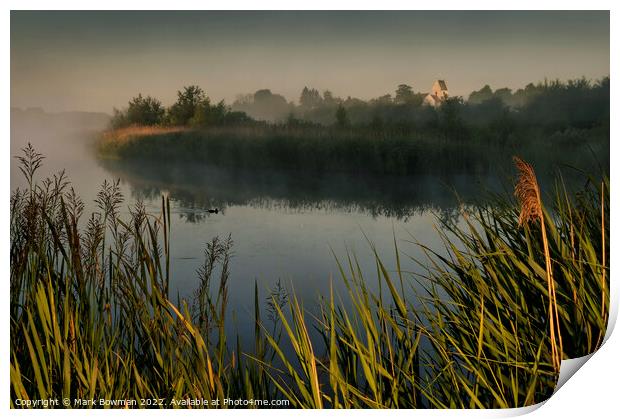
pixel 98 60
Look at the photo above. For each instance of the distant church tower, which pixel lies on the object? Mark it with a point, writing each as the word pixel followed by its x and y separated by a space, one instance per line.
pixel 438 94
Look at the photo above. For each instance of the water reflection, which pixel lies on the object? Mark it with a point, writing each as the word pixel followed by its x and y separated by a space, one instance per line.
pixel 196 188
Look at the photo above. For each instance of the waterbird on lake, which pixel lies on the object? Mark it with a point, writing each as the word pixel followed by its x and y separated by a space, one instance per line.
pixel 213 211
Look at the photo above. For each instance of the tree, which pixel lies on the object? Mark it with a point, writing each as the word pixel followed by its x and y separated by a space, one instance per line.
pixel 144 111
pixel 310 98
pixel 237 119
pixel 342 119
pixel 119 119
pixel 503 126
pixel 188 100
pixel 140 111
pixel 328 98
pixel 204 114
pixel 382 100
pixel 404 94
pixel 522 96
pixel 263 95
pixel 481 95
pixel 451 119
pixel 504 94
pixel 264 105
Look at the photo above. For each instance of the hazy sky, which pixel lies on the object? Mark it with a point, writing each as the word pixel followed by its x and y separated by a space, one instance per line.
pixel 98 60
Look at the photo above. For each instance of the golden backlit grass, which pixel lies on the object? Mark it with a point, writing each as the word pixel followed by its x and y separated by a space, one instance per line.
pixel 122 135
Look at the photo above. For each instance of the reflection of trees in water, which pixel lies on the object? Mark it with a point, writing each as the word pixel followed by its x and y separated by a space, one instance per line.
pixel 190 207
pixel 196 188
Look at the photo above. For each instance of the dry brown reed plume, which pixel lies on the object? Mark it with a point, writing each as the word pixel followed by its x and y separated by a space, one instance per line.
pixel 528 194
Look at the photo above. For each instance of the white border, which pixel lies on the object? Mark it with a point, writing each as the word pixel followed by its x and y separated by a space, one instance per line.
pixel 591 393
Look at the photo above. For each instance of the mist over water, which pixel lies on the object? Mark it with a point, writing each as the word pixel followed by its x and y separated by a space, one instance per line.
pixel 283 228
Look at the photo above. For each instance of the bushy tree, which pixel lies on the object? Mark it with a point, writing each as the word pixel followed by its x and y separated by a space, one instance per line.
pixel 144 111
pixel 404 94
pixel 479 96
pixel 263 105
pixel 140 111
pixel 310 98
pixel 203 114
pixel 522 96
pixel 504 94
pixel 184 109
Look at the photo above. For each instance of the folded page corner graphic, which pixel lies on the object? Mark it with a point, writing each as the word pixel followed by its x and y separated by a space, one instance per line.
pixel 569 367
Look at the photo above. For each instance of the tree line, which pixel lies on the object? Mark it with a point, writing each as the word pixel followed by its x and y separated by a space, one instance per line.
pixel 192 108
pixel 550 106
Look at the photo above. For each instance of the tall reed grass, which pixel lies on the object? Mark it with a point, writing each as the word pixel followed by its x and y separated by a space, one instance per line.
pixel 91 314
pixel 324 150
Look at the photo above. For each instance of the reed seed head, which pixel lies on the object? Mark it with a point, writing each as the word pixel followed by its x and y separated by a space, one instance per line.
pixel 527 192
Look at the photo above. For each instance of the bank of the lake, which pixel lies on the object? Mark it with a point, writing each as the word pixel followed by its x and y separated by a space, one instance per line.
pixel 318 149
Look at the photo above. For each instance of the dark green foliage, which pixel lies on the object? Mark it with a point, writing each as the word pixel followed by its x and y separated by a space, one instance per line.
pixel 451 119
pixel 140 111
pixel 145 111
pixel 553 105
pixel 482 95
pixel 404 93
pixel 192 108
pixel 499 117
pixel 576 104
pixel 189 100
pixel 342 120
pixel 406 96
pixel 446 148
